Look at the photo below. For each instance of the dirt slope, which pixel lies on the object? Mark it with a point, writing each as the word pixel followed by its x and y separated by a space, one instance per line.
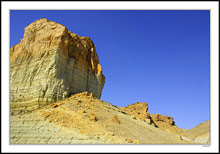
pixel 83 119
pixel 200 133
pixel 140 111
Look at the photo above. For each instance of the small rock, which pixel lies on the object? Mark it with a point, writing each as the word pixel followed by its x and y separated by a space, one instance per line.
pixel 148 121
pixel 56 105
pixel 91 95
pixel 81 131
pixel 47 114
pixel 180 137
pixel 128 140
pixel 136 142
pixel 93 117
pixel 115 119
pixel 134 117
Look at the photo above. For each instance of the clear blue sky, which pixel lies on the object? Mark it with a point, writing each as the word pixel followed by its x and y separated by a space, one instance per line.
pixel 158 57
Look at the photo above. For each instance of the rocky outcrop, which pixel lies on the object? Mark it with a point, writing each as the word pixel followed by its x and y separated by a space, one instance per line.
pixel 161 118
pixel 166 123
pixel 51 63
pixel 139 110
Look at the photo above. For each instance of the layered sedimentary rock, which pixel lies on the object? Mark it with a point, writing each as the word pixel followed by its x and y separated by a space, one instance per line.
pixel 51 63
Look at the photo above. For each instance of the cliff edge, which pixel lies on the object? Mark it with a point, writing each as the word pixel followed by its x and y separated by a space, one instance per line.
pixel 51 63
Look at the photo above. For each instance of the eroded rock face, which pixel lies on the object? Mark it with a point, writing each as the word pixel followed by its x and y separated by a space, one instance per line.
pixel 166 123
pixel 51 63
pixel 161 118
pixel 138 110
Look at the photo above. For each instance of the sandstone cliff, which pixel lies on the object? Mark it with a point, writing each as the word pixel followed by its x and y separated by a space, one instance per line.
pixel 51 63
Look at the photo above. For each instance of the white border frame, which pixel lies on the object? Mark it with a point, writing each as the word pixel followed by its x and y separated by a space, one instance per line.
pixel 214 61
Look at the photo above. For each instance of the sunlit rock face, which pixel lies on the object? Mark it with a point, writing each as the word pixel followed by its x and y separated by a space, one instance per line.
pixel 140 111
pixel 51 63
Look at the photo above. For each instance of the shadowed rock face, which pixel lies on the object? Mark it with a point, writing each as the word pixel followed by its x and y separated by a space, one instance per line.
pixel 51 63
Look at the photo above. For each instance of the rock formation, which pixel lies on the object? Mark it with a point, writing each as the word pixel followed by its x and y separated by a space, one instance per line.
pixel 161 118
pixel 166 123
pixel 139 110
pixel 51 63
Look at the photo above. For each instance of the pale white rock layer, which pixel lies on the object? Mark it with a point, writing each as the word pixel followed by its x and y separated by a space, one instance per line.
pixel 51 63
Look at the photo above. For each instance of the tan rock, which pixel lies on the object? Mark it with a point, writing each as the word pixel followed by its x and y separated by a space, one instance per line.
pixel 115 119
pixel 138 110
pixel 179 137
pixel 128 140
pixel 93 117
pixel 134 117
pixel 51 63
pixel 112 134
pixel 56 105
pixel 166 123
pixel 166 119
pixel 136 142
